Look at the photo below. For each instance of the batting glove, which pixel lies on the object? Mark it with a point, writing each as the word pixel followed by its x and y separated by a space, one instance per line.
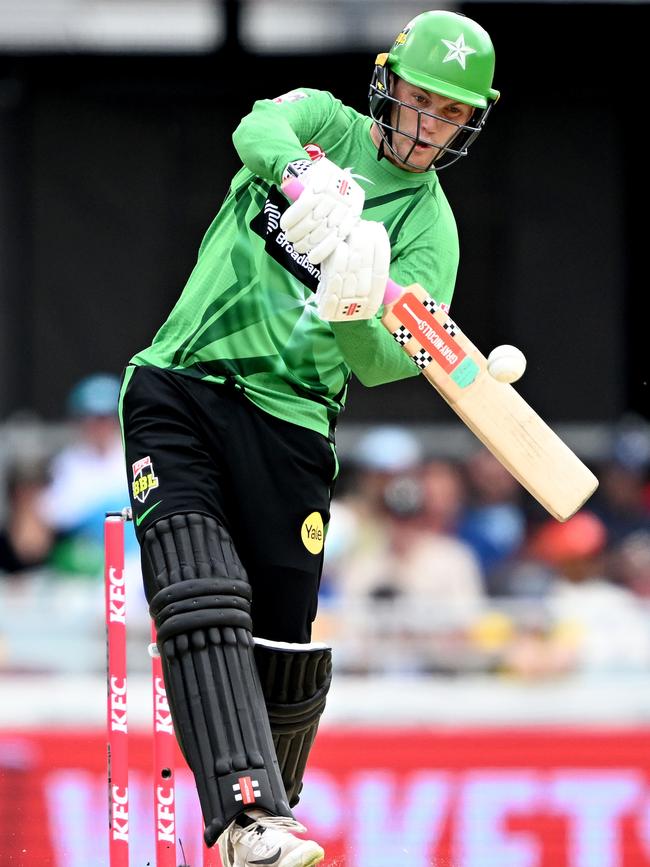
pixel 354 276
pixel 325 212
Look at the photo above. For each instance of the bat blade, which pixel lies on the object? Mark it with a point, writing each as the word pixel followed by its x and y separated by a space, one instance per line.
pixel 494 411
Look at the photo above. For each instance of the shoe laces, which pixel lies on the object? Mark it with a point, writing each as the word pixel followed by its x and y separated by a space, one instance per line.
pixel 256 841
pixel 280 823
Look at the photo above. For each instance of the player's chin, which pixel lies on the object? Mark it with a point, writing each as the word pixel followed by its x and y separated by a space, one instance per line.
pixel 421 157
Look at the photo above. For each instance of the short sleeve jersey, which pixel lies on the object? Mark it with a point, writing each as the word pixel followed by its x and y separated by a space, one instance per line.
pixel 246 314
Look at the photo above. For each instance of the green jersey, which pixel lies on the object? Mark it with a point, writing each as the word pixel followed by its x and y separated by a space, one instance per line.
pixel 245 315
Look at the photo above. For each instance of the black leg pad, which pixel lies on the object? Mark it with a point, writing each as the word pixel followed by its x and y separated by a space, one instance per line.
pixel 206 646
pixel 295 681
pixel 187 546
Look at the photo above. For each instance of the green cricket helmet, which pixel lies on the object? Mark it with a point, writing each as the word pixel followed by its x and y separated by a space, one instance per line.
pixel 444 53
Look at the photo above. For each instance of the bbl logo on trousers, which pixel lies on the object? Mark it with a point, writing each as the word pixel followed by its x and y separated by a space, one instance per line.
pixel 144 479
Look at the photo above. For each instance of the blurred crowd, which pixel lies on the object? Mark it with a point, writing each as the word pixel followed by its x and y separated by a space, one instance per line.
pixel 55 500
pixel 448 565
pixel 467 573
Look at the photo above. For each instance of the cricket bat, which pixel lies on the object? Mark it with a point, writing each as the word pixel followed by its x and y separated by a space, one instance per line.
pixel 494 411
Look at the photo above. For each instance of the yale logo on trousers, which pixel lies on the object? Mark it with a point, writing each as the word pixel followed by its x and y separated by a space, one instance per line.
pixel 312 533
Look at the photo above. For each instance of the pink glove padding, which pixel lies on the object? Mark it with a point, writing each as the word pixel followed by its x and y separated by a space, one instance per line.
pixel 329 206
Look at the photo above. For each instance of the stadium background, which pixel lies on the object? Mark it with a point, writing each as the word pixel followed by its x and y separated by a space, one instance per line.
pixel 115 153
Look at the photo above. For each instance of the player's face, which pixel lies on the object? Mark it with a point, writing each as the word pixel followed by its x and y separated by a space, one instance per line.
pixel 434 132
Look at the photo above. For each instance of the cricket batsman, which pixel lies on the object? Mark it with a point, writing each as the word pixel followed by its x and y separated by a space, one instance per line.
pixel 229 414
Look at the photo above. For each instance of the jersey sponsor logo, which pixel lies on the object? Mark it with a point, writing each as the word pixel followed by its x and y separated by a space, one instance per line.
pixel 312 533
pixel 266 224
pixel 291 96
pixel 272 217
pixel 144 479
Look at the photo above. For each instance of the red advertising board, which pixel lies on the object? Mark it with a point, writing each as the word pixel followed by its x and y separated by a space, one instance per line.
pixel 374 798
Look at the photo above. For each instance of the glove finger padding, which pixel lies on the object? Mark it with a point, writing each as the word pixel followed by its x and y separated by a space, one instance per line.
pixel 321 236
pixel 324 247
pixel 354 276
pixel 318 214
pixel 330 287
pixel 320 217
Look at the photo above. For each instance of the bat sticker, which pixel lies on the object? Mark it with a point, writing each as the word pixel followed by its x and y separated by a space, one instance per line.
pixel 436 339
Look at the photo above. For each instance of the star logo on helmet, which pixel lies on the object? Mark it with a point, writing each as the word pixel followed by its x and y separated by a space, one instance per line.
pixel 457 50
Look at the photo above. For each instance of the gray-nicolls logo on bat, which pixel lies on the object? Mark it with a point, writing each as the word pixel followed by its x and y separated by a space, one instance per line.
pixel 272 217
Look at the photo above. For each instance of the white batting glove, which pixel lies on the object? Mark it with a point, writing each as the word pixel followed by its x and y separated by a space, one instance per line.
pixel 354 276
pixel 327 209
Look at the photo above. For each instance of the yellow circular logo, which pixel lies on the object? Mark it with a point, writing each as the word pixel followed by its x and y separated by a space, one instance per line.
pixel 312 533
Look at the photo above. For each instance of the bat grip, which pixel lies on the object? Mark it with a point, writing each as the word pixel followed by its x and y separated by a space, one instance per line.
pixel 292 188
pixel 392 291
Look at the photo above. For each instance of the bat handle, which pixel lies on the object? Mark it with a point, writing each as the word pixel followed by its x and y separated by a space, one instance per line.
pixel 292 189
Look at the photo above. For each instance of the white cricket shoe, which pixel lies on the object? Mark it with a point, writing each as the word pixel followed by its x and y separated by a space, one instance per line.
pixel 267 841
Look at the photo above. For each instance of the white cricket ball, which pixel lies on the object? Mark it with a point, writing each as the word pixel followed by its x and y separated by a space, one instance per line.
pixel 506 363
